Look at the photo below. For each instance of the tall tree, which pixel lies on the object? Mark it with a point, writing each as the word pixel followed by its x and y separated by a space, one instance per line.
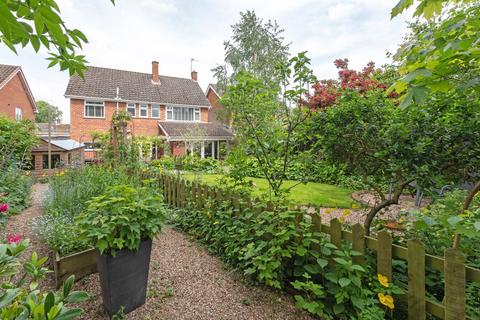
pixel 267 118
pixel 39 24
pixel 256 47
pixel 44 108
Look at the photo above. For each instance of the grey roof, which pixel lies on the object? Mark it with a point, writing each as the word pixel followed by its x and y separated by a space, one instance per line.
pixel 66 144
pixel 207 129
pixel 136 86
pixel 5 71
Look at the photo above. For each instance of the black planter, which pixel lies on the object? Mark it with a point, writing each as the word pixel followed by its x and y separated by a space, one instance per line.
pixel 124 278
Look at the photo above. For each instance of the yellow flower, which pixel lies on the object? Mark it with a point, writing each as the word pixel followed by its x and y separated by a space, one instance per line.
pixel 386 300
pixel 355 206
pixel 383 280
pixel 216 222
pixel 328 211
pixel 341 219
pixel 27 173
pixel 346 212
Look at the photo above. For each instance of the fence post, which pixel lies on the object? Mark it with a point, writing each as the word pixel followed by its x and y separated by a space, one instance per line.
pixel 316 227
pixel 358 243
pixel 384 254
pixel 416 280
pixel 455 283
pixel 336 232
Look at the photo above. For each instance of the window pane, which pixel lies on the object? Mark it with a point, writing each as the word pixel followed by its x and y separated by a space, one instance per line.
pixel 155 111
pixel 143 110
pixel 94 109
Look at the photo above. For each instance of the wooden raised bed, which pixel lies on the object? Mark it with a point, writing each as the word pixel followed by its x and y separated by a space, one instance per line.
pixel 80 264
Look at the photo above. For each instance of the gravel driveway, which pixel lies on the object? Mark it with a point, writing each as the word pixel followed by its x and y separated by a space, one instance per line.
pixel 185 282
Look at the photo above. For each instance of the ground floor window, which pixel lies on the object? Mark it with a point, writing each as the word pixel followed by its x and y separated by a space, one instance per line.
pixel 56 162
pixel 216 149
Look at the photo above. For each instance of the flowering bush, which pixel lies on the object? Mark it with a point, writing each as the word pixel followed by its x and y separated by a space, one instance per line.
pixel 20 296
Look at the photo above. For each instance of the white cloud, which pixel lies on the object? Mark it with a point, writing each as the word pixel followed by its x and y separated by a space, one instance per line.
pixel 131 34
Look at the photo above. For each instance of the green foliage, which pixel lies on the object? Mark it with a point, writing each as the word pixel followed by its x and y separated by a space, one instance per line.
pixel 266 118
pixel 255 47
pixel 439 56
pixel 121 218
pixel 18 186
pixel 39 24
pixel 16 140
pixel 435 225
pixel 279 249
pixel 44 108
pixel 21 296
pixel 69 193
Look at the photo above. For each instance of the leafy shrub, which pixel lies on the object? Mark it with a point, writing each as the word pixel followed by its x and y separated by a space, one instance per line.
pixel 166 163
pixel 21 296
pixel 187 163
pixel 61 233
pixel 279 249
pixel 121 218
pixel 69 194
pixel 17 185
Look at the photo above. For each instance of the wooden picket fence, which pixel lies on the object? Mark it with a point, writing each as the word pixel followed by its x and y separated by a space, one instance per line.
pixel 179 192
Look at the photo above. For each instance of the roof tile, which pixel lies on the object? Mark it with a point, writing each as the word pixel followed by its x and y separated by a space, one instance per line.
pixel 136 86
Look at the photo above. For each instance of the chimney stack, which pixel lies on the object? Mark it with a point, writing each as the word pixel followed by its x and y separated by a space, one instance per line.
pixel 155 72
pixel 194 75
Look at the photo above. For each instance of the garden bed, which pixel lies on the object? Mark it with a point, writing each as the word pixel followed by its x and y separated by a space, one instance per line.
pixel 79 264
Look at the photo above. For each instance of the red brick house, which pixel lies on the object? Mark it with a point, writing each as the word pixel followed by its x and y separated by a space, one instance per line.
pixel 175 108
pixel 16 99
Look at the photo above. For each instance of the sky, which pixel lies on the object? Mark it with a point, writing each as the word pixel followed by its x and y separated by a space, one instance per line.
pixel 133 33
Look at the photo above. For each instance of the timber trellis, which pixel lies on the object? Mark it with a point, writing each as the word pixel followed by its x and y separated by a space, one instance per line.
pixel 178 192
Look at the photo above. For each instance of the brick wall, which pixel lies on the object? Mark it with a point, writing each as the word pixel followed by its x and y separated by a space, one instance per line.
pixel 81 127
pixel 13 95
pixel 217 108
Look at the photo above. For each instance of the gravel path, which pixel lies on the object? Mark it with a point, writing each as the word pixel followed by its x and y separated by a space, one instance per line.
pixel 185 282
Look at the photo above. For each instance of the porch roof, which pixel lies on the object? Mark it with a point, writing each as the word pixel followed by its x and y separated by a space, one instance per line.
pixel 201 131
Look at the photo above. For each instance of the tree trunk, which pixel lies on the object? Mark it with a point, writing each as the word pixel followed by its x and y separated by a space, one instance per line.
pixel 385 204
pixel 466 205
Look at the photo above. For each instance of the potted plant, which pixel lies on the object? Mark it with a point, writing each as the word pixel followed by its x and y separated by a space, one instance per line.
pixel 121 224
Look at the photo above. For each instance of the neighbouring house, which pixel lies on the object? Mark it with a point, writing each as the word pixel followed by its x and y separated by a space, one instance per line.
pixel 16 99
pixel 170 107
pixel 65 152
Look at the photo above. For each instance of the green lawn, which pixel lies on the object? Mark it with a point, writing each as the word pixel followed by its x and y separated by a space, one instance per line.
pixel 318 194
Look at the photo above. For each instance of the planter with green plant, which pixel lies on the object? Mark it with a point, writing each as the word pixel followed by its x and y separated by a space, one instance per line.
pixel 121 224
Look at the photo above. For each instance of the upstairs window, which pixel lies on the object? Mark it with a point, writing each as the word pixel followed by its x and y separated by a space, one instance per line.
pixel 94 109
pixel 18 114
pixel 183 114
pixel 144 110
pixel 155 111
pixel 131 109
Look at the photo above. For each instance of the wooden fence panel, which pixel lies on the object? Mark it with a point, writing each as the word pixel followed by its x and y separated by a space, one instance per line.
pixel 455 275
pixel 416 280
pixel 178 192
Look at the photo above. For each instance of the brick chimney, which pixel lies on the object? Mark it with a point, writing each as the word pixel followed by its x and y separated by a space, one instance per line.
pixel 194 75
pixel 155 72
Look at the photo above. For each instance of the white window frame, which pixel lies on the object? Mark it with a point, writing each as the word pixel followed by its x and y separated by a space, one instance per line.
pixel 18 114
pixel 96 104
pixel 170 114
pixel 155 106
pixel 143 107
pixel 129 105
